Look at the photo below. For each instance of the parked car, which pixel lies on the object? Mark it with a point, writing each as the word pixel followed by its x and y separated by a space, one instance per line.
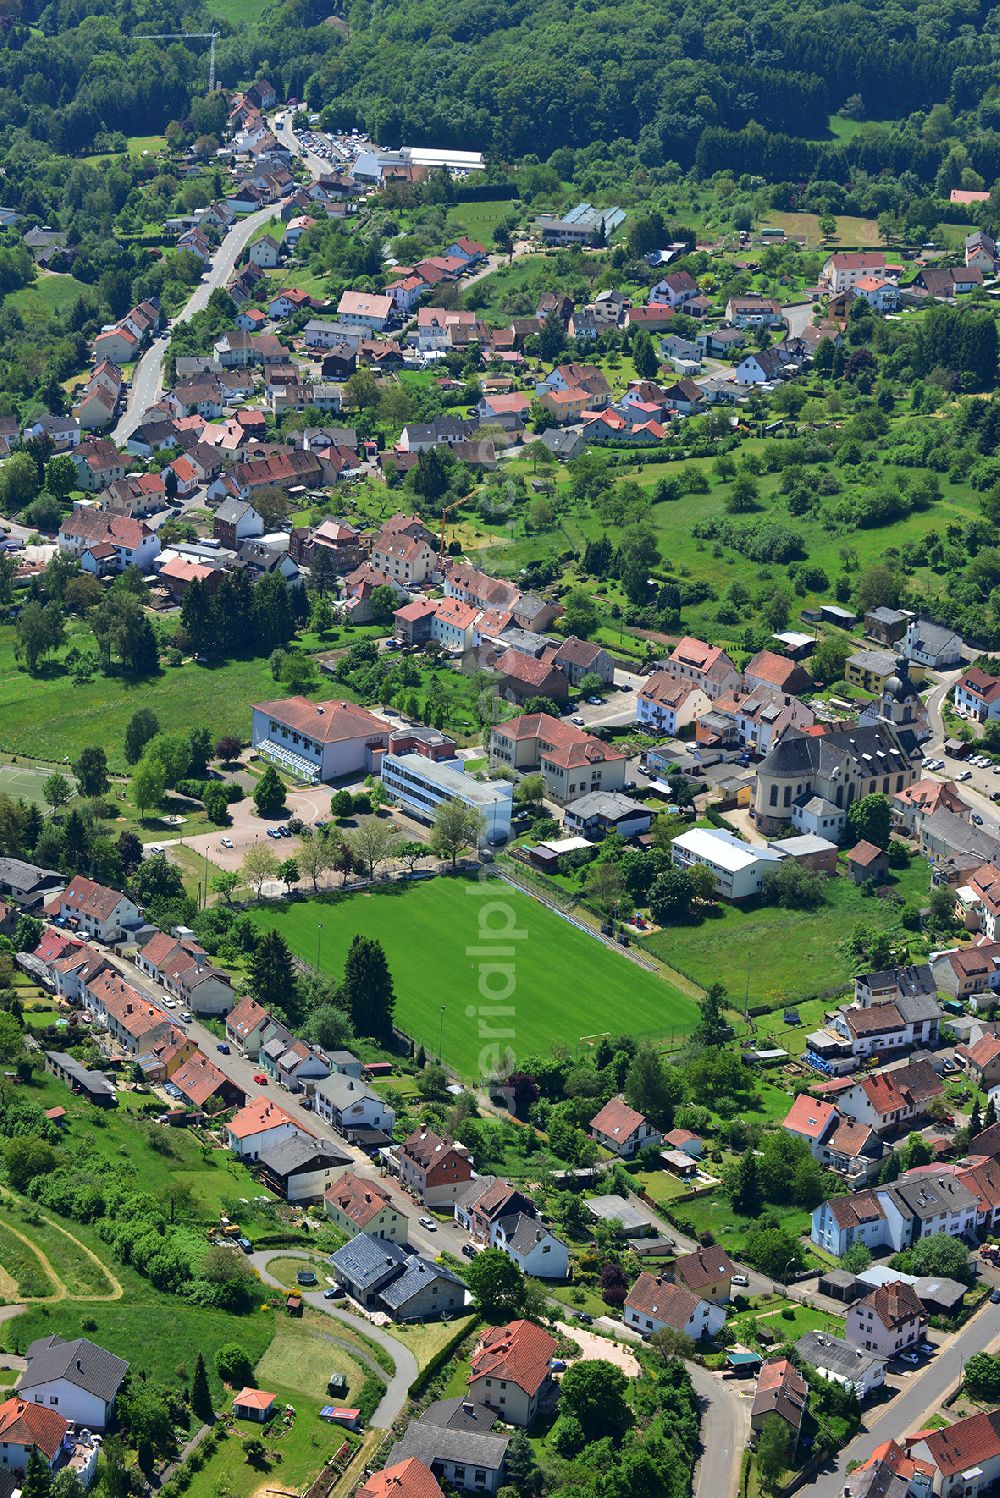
pixel 995 1298
pixel 246 1245
pixel 585 1317
pixel 332 1293
pixel 976 819
pixel 468 1251
pixel 594 701
pixel 225 842
pixel 428 1223
pixel 740 1279
pixel 578 721
pixel 260 1079
pixel 222 1048
pixel 558 1365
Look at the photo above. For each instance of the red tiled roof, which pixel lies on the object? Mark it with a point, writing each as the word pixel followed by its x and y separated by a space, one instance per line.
pixel 657 1298
pixel 706 1266
pixel 809 1116
pixel 84 897
pixel 617 1120
pixel 25 1424
pixel 258 1116
pixel 325 722
pixel 520 1352
pixel 407 1479
pixel 967 1443
pixel 360 1200
pixel 894 1303
pixel 864 854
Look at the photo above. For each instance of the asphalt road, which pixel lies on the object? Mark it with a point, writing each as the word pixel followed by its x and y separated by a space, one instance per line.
pixel 976 791
pixel 725 1424
pixel 241 1071
pixel 147 377
pixel 398 1386
pixel 922 1395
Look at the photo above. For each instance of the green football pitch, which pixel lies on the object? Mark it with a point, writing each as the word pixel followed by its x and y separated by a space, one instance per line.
pixel 24 782
pixel 509 974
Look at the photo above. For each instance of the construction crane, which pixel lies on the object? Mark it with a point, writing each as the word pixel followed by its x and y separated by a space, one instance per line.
pixel 187 36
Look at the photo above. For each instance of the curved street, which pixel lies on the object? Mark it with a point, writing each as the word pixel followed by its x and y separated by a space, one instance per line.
pixel 398 1384
pixel 147 377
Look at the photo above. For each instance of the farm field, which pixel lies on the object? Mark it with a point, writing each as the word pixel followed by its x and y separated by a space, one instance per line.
pixel 49 294
pixel 566 985
pixel 50 717
pixel 860 233
pixel 792 954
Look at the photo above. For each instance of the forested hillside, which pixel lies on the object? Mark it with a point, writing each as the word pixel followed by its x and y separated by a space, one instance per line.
pixel 676 78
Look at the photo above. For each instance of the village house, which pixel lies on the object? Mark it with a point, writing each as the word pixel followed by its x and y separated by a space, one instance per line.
pixel 433 1169
pixel 622 1130
pixel 350 1105
pixel 982 1061
pixel 357 1204
pixel 932 645
pixel 456 1440
pixel 707 666
pixel 966 972
pixel 707 1272
pixel 95 909
pixel 977 696
pixel 667 704
pixel 840 1363
pixel 77 1379
pixel 258 1126
pixel 654 1303
pixel 410 1478
pixel 484 1202
pixel 845 268
pixel 888 1321
pixel 963 1458
pixel 572 763
pixel 532 1247
pixel 781 1391
pixel 247 1026
pixel 108 543
pixel 510 1371
pixel 300 1168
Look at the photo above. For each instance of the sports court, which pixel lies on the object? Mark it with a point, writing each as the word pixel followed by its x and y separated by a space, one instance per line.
pixel 24 782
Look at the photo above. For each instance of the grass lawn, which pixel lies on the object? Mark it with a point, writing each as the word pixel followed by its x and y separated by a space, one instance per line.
pixel 445 943
pixel 151 143
pixel 478 220
pixel 22 1266
pixel 74 1265
pixel 792 954
pixel 295 1367
pixel 121 1140
pixel 661 1185
pixel 50 717
pixel 51 293
pixel 240 13
pixel 286 1269
pixel 714 1214
pixel 860 232
pixel 774 1318
pixel 426 1339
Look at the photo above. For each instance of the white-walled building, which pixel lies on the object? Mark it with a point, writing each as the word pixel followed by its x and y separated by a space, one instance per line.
pixel 318 740
pixel 739 868
pixel 421 785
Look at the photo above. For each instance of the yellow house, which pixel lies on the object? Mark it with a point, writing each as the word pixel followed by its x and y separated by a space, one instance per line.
pixel 871 669
pixel 708 1272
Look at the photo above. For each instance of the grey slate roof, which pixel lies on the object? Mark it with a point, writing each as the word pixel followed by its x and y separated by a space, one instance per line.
pixel 610 804
pixel 523 1232
pixel 297 1154
pixel 366 1261
pixel 342 1091
pixel 81 1363
pixel 418 1274
pixel 23 878
pixel 910 981
pixel 797 754
pixel 836 1355
pixel 231 511
pixel 431 1443
pixel 927 1196
pixel 935 639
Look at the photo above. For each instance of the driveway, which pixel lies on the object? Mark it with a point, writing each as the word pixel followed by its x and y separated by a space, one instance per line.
pixel 594 1348
pixel 398 1386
